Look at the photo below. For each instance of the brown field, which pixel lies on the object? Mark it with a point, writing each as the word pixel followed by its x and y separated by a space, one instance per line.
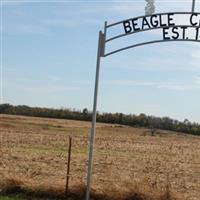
pixel 33 153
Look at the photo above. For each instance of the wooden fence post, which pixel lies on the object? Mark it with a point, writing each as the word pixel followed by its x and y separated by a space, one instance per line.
pixel 68 166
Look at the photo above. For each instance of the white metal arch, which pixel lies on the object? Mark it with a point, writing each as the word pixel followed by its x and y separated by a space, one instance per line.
pixel 101 53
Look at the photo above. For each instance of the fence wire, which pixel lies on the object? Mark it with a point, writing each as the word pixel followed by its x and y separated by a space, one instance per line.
pixel 146 163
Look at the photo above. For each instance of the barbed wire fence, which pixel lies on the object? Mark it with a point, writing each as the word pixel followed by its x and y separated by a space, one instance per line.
pixel 124 163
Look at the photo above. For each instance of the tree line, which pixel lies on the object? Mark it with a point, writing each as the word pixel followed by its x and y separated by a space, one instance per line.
pixel 141 120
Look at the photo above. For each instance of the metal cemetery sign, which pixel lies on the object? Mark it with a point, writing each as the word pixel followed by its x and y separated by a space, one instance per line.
pixel 168 24
pixel 176 26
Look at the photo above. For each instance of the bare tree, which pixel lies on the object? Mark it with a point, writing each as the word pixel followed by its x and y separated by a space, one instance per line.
pixel 150 7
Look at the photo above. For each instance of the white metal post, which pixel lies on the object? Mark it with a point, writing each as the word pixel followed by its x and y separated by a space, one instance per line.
pixel 100 52
pixel 193 5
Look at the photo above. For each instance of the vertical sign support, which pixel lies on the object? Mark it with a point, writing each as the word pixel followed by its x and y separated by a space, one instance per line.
pixel 100 53
pixel 193 5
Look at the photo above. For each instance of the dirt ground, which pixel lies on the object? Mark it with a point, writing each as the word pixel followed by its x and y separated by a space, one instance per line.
pixel 33 152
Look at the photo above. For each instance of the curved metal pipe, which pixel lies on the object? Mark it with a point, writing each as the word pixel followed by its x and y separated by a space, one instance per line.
pixel 177 13
pixel 150 42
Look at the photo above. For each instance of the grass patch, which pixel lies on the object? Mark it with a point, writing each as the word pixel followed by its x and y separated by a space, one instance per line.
pixel 44 126
pixel 15 189
pixel 10 198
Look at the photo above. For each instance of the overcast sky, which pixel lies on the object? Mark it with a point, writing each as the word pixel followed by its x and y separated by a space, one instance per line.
pixel 49 57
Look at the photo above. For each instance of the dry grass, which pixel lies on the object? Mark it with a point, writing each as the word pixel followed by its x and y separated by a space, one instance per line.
pixel 127 164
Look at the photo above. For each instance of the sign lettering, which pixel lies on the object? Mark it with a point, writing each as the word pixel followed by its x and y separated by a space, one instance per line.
pixel 171 29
